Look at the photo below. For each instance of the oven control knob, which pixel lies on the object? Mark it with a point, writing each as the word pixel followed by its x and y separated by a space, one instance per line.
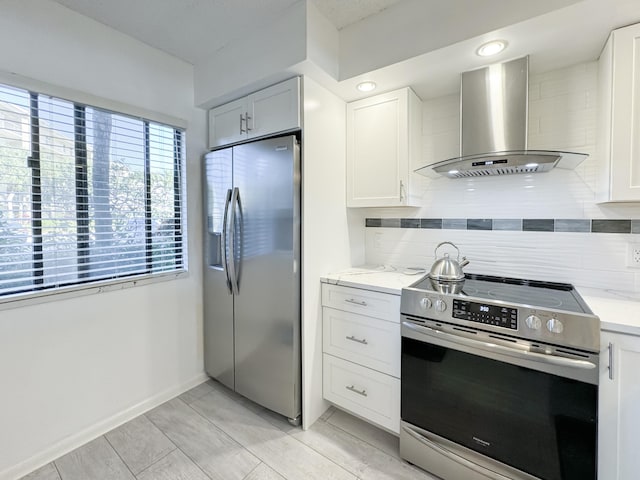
pixel 425 303
pixel 440 306
pixel 555 326
pixel 533 322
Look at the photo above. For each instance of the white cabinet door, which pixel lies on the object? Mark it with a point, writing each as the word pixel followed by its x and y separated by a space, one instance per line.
pixel 620 117
pixel 619 407
pixel 268 111
pixel 382 138
pixel 227 123
pixel 274 109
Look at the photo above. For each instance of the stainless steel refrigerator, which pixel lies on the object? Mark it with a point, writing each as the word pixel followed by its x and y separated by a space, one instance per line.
pixel 252 272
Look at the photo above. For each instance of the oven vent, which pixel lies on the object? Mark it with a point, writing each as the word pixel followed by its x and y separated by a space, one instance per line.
pixel 573 354
pixel 416 319
pixel 465 330
pixel 505 339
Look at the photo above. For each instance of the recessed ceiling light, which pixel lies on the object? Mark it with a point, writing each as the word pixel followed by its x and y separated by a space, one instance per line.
pixel 366 86
pixel 491 48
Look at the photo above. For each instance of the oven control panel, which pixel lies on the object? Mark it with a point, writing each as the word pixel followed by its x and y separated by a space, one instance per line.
pixel 488 314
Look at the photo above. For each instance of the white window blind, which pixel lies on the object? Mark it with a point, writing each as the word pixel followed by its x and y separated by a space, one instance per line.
pixel 85 194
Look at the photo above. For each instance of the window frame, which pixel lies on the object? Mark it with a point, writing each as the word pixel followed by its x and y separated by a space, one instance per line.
pixel 83 285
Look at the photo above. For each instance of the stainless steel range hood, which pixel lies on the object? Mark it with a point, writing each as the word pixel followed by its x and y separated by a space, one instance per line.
pixel 493 129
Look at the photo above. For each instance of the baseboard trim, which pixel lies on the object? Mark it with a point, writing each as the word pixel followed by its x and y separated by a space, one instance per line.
pixel 74 441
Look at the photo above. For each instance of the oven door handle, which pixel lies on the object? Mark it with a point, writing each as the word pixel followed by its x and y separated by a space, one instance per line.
pixel 522 354
pixel 485 472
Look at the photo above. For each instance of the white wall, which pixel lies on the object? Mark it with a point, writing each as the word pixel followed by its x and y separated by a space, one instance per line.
pixel 301 42
pixel 323 42
pixel 332 236
pixel 72 369
pixel 562 115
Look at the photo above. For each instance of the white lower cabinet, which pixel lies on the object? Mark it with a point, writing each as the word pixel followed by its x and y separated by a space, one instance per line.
pixel 619 407
pixel 363 340
pixel 361 353
pixel 371 395
pixel 363 302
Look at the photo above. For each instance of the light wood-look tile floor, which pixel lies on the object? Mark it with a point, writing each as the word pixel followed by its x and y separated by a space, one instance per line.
pixel 211 432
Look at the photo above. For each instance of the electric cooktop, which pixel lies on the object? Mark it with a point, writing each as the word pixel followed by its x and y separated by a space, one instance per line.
pixel 551 295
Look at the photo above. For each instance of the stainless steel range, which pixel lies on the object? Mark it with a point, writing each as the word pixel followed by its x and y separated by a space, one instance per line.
pixel 499 379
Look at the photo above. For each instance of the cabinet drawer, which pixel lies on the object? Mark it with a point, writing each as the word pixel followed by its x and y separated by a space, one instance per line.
pixel 366 393
pixel 364 302
pixel 364 340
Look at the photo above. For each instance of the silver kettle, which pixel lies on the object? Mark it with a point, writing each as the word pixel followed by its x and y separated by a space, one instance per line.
pixel 446 269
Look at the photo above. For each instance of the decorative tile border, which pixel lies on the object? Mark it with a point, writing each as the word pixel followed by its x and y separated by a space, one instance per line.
pixel 512 224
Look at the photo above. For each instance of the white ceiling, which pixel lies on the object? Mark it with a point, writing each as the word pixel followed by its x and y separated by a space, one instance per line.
pixel 193 29
pixel 420 43
pixel 343 13
pixel 573 33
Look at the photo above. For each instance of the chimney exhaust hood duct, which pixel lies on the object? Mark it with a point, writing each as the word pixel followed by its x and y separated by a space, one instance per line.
pixel 493 130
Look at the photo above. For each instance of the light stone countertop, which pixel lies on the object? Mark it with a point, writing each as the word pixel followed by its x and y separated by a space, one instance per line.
pixel 618 312
pixel 383 279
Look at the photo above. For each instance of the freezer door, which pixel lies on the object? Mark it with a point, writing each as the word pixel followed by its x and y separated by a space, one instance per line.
pixel 267 304
pixel 218 299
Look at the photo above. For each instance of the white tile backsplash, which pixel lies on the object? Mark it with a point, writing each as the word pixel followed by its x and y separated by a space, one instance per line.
pixel 584 259
pixel 562 116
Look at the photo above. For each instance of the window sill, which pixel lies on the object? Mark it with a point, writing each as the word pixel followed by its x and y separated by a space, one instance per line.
pixel 64 293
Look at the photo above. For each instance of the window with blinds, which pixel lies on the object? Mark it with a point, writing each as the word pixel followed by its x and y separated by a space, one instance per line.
pixel 85 194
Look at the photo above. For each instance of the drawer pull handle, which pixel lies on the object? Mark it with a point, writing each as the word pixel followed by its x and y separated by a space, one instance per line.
pixel 355 390
pixel 363 341
pixel 351 300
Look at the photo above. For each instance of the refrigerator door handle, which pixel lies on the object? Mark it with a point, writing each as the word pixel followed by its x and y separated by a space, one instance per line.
pixel 235 200
pixel 225 240
pixel 238 267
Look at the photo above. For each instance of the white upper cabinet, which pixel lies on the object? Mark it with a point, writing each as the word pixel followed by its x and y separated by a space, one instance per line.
pixel 271 110
pixel 383 147
pixel 619 141
pixel 226 123
pixel 619 407
pixel 274 109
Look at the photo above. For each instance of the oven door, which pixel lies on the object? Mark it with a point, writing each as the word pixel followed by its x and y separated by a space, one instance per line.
pixel 533 413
